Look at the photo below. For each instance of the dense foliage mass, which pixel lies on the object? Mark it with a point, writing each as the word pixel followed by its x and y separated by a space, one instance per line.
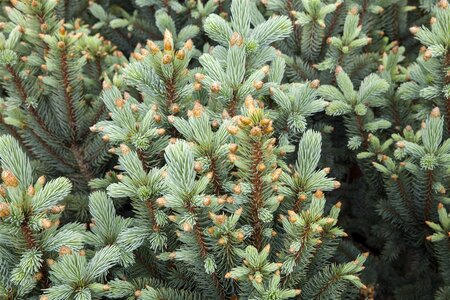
pixel 225 149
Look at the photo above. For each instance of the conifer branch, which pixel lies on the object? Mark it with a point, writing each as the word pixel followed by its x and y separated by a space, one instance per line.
pixel 151 214
pixel 429 199
pixel 406 199
pixel 68 95
pixel 13 132
pixel 204 252
pixel 215 153
pixel 24 96
pixel 50 150
pixel 447 83
pixel 256 197
pixel 82 165
pixel 218 186
pixel 362 133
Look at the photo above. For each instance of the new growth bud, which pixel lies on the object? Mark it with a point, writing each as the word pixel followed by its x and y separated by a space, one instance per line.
pixel 9 179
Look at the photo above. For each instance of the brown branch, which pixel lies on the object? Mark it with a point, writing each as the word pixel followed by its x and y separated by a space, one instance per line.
pixel 31 243
pixel 171 97
pixel 151 214
pixel 257 195
pixel 18 83
pixel 218 190
pixel 447 117
pixel 143 159
pixel 28 234
pixel 41 18
pixel 98 65
pixel 200 241
pixel 297 205
pixel 45 281
pixel 82 166
pixel 360 123
pixel 68 95
pixel 232 106
pixel 74 147
pixel 171 94
pixel 363 12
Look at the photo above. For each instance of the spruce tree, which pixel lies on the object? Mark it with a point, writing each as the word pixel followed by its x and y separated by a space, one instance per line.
pixel 224 149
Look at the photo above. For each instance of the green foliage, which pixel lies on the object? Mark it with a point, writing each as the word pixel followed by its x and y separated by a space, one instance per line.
pixel 30 228
pixel 224 149
pixel 52 89
pixel 429 75
pixel 356 106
